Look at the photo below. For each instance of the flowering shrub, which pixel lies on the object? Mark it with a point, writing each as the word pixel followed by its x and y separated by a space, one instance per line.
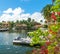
pixel 51 37
pixel 49 40
pixel 56 16
pixel 51 43
pixel 53 16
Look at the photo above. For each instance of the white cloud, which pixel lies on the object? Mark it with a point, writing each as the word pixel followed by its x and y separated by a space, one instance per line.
pixel 5 17
pixel 18 11
pixel 18 14
pixel 25 16
pixel 37 16
pixel 8 11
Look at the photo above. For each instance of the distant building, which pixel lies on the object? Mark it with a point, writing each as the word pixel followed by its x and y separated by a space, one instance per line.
pixel 5 24
pixel 21 26
pixel 37 25
pixel 24 26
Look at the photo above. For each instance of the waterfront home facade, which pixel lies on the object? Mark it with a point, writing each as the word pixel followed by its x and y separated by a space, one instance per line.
pixel 5 24
pixel 36 26
pixel 21 27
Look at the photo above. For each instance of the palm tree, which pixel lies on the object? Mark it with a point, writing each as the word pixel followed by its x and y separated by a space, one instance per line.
pixel 53 1
pixel 29 19
pixel 17 22
pixel 46 12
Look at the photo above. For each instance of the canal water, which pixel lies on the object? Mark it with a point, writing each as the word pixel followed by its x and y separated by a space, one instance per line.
pixel 7 47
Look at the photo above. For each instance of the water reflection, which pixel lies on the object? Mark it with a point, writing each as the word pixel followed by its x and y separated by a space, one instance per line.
pixel 6 38
pixel 6 44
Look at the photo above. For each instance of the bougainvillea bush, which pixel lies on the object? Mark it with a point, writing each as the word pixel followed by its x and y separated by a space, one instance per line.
pixel 49 39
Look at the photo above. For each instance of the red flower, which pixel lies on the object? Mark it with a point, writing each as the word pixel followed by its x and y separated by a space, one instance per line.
pixel 57 48
pixel 46 51
pixel 54 32
pixel 50 30
pixel 48 43
pixel 58 13
pixel 53 17
pixel 42 47
pixel 53 13
pixel 42 52
pixel 34 51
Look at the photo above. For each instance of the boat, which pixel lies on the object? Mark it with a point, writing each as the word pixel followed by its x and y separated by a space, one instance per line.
pixel 3 29
pixel 22 41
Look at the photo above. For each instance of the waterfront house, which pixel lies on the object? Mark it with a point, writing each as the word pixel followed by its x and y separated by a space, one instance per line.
pixel 21 27
pixel 5 24
pixel 36 26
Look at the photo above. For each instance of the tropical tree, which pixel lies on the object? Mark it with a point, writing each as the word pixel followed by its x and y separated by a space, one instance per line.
pixel 11 25
pixel 46 12
pixel 29 19
pixel 0 23
pixel 23 22
pixel 53 2
pixel 17 22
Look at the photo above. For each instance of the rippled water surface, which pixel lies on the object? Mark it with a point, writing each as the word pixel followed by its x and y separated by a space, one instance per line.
pixel 7 47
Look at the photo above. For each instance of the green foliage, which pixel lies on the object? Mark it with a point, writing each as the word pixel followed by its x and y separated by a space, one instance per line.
pixel 46 11
pixel 17 21
pixel 38 37
pixel 0 23
pixel 11 23
pixel 54 28
pixel 29 19
pixel 56 6
pixel 51 49
pixel 28 22
pixel 45 26
pixel 58 19
pixel 23 22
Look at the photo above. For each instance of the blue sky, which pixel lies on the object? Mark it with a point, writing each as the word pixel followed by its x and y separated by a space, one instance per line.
pixel 29 6
pixel 22 9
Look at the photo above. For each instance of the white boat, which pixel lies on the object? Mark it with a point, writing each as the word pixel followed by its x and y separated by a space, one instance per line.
pixel 4 29
pixel 20 40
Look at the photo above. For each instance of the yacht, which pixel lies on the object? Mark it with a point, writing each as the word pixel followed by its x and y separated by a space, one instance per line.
pixel 19 40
